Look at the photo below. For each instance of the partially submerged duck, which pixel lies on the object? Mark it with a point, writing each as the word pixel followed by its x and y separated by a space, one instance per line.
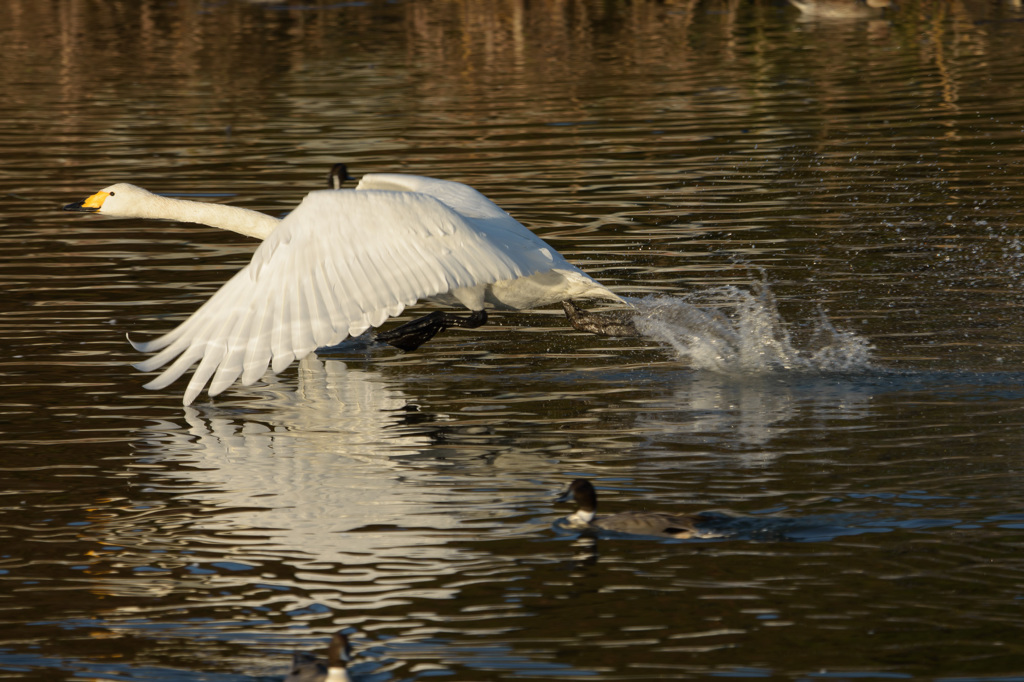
pixel 308 668
pixel 655 524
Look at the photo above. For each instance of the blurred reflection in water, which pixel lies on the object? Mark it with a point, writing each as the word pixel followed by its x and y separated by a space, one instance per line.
pixel 315 473
pixel 749 417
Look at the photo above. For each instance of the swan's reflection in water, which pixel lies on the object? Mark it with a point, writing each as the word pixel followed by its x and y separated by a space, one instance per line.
pixel 312 478
pixel 293 511
pixel 335 486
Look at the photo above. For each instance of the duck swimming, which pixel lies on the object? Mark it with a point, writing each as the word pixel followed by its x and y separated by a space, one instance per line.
pixel 307 668
pixel 655 524
pixel 842 9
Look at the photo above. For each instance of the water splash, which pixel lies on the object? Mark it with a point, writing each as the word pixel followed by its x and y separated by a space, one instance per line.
pixel 735 331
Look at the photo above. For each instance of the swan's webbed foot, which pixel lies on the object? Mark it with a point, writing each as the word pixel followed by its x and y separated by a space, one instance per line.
pixel 412 335
pixel 618 323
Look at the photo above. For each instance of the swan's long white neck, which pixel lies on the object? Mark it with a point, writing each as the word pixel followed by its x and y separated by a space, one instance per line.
pixel 241 220
pixel 128 201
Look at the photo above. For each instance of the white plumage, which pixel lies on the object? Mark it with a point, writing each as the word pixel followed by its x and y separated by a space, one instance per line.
pixel 344 261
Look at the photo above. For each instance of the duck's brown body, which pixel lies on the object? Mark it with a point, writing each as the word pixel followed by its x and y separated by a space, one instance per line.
pixel 655 524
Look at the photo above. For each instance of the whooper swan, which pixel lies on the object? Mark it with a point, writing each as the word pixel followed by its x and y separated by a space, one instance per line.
pixel 346 260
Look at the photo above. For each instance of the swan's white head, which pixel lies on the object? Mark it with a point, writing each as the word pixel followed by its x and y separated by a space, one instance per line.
pixel 121 199
pixel 128 201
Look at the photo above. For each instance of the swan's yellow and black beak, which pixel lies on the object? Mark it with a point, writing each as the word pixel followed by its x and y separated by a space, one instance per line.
pixel 90 205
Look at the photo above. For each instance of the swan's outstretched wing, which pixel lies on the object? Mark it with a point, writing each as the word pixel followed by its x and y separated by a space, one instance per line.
pixel 343 261
pixel 459 197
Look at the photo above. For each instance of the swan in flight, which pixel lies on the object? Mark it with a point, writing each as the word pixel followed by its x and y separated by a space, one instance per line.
pixel 345 260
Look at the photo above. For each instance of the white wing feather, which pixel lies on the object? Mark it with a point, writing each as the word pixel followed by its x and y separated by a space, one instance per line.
pixel 340 263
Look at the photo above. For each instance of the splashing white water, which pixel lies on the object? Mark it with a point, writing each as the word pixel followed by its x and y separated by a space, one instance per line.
pixel 733 331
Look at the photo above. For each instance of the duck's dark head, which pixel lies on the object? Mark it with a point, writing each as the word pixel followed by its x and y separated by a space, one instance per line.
pixel 582 492
pixel 338 175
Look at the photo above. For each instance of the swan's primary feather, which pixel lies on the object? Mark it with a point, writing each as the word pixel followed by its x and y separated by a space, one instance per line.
pixel 345 261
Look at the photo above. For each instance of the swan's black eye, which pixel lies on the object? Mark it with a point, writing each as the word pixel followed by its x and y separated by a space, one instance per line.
pixel 111 194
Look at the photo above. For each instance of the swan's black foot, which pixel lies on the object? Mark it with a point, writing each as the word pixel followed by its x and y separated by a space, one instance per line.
pixel 619 323
pixel 412 335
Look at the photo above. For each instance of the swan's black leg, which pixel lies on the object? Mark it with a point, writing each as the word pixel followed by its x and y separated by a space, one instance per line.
pixel 412 335
pixel 606 324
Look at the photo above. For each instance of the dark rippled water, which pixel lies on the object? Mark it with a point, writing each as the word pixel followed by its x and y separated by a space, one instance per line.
pixel 821 219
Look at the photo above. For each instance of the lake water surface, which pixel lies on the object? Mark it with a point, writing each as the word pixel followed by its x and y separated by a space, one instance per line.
pixel 820 221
